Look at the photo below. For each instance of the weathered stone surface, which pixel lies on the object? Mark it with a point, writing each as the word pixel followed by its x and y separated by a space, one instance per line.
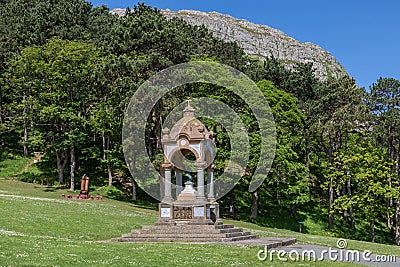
pixel 187 233
pixel 261 41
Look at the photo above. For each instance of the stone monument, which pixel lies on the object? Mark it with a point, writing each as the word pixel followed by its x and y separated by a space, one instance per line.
pixel 188 212
pixel 191 205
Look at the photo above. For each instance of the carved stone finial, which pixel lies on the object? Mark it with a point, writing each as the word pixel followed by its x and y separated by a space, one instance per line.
pixel 189 111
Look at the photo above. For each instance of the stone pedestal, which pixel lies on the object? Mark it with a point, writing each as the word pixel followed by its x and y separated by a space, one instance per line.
pixel 188 194
pixel 179 213
pixel 188 209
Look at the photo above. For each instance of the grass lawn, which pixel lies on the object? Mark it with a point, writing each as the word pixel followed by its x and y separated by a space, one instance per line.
pixel 12 166
pixel 39 228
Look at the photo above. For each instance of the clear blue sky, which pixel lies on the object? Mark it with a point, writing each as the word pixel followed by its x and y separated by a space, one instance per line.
pixel 363 35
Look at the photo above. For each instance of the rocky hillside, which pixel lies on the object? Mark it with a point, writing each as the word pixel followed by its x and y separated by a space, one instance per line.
pixel 261 41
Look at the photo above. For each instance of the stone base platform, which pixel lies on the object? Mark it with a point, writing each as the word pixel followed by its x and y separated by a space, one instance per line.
pixel 187 233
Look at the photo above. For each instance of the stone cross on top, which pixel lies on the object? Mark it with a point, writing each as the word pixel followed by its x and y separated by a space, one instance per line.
pixel 189 111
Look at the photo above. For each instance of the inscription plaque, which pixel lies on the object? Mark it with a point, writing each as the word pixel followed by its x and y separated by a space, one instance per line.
pixel 183 213
pixel 165 212
pixel 198 211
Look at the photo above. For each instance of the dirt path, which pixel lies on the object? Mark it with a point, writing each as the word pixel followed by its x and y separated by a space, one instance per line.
pixel 37 158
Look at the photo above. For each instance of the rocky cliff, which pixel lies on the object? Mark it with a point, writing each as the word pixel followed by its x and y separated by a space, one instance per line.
pixel 261 41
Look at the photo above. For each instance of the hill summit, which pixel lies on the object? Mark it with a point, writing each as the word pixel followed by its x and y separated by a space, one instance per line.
pixel 261 41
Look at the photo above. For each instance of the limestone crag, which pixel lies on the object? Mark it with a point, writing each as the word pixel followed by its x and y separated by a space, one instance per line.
pixel 261 41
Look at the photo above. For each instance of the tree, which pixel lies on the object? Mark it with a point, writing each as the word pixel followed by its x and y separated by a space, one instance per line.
pixel 27 23
pixel 368 169
pixel 57 76
pixel 383 101
pixel 340 111
pixel 288 176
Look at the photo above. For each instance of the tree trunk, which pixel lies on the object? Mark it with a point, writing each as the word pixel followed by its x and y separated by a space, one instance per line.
pixel 109 170
pixel 134 190
pixel 372 230
pixel 61 162
pixel 1 106
pixel 158 126
pixel 330 218
pixel 106 146
pixel 397 219
pixel 344 192
pixel 307 141
pixel 110 176
pixel 73 165
pixel 293 210
pixel 389 220
pixel 352 220
pixel 232 203
pixel 391 200
pixel 26 153
pixel 254 205
pixel 348 189
pixel 331 151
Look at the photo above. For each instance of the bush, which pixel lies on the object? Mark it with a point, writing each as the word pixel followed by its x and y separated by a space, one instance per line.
pixel 109 192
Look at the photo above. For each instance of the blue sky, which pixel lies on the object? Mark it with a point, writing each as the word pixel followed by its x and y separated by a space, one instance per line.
pixel 363 35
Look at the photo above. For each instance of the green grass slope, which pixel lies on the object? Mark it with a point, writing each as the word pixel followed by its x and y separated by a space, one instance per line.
pixel 39 228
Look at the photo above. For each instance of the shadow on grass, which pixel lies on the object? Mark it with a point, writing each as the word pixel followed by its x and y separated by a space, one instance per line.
pixel 145 205
pixel 55 188
pixel 317 219
pixel 279 219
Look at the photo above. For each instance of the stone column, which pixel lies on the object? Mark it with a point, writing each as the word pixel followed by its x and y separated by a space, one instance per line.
pixel 179 184
pixel 210 183
pixel 200 180
pixel 161 181
pixel 167 183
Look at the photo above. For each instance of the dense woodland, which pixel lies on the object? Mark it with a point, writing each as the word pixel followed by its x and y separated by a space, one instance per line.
pixel 68 71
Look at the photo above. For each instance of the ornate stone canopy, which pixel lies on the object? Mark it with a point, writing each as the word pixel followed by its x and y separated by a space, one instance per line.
pixel 188 136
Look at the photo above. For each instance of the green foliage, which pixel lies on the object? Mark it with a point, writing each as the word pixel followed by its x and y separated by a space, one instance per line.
pixel 69 70
pixel 11 165
pixel 109 192
pixel 287 178
pixel 368 170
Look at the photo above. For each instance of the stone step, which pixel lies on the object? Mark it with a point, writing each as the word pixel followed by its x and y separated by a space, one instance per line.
pixel 236 234
pixel 224 226
pixel 172 236
pixel 185 239
pixel 186 235
pixel 231 230
pixel 190 227
pixel 168 230
pixel 240 238
pixel 163 239
pixel 177 231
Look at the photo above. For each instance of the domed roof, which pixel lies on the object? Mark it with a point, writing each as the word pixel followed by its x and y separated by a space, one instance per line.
pixel 189 126
pixel 189 133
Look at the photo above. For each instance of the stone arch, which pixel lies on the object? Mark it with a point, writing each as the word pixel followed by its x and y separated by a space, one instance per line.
pixel 176 156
